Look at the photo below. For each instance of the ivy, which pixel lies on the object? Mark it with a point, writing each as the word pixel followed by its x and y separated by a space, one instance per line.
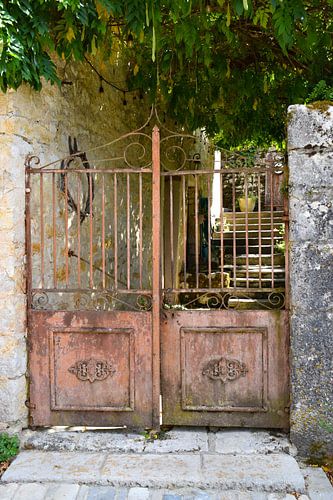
pixel 9 446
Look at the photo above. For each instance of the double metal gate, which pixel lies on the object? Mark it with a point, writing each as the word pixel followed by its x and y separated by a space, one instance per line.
pixel 156 292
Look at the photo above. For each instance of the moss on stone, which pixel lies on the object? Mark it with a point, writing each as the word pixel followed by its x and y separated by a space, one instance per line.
pixel 322 106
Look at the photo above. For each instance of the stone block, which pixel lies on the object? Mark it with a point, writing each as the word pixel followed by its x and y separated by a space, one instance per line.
pixel 35 491
pixel 311 415
pixel 62 492
pixel 13 358
pixel 311 215
pixel 149 471
pixel 246 442
pixel 276 472
pixel 318 485
pixel 114 442
pixel 13 316
pixel 311 275
pixel 138 494
pixel 179 441
pixel 310 172
pixel 309 127
pixel 55 467
pixel 7 491
pixel 13 396
pixel 99 493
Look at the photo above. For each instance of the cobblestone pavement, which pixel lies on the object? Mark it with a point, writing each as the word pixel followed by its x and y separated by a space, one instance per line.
pixel 187 465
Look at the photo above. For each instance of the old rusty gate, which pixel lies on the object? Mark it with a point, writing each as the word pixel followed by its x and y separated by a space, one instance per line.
pixel 157 285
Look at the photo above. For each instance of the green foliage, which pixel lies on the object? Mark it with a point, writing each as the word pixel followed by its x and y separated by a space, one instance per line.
pixel 321 92
pixel 152 435
pixel 9 446
pixel 230 65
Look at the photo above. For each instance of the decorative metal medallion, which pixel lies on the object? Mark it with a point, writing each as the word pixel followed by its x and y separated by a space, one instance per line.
pixel 224 369
pixel 92 369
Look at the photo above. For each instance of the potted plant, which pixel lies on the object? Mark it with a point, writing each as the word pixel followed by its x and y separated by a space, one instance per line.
pixel 247 204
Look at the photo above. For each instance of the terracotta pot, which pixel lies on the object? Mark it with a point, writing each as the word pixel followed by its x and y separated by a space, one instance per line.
pixel 251 203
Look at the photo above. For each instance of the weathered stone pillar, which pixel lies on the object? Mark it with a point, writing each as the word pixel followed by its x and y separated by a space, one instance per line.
pixel 13 394
pixel 310 147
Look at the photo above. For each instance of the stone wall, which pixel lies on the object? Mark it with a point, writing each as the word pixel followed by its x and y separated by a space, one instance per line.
pixel 40 123
pixel 310 145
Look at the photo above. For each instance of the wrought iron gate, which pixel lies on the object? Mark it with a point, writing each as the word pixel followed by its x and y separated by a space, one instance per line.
pixel 147 282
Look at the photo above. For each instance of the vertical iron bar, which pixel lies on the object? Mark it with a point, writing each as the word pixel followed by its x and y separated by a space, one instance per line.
pixel 221 229
pixel 140 231
pixel 28 239
pixel 209 232
pixel 184 227
pixel 272 228
pixel 66 228
pixel 91 280
pixel 171 232
pixel 103 230
pixel 286 240
pixel 54 221
pixel 115 219
pixel 78 216
pixel 41 189
pixel 234 253
pixel 128 231
pixel 196 217
pixel 156 277
pixel 259 232
pixel 246 230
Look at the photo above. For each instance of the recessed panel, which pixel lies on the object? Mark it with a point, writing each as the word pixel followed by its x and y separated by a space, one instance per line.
pixel 92 370
pixel 224 369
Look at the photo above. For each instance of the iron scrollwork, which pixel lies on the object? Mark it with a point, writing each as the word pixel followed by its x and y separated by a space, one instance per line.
pixel 92 369
pixel 224 369
pixel 65 164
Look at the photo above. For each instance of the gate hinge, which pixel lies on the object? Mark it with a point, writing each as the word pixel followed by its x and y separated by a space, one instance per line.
pixel 30 405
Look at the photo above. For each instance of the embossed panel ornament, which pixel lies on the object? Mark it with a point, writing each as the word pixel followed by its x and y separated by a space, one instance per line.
pixel 224 369
pixel 92 369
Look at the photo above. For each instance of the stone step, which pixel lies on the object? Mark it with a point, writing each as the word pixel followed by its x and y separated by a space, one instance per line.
pixel 254 269
pixel 254 283
pixel 276 472
pixel 253 259
pixel 253 249
pixel 57 491
pixel 254 275
pixel 267 226
pixel 264 214
pixel 253 234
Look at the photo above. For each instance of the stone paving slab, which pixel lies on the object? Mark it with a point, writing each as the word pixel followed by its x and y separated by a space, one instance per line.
pixel 52 440
pixel 175 441
pixel 318 485
pixel 52 491
pixel 55 467
pixel 7 491
pixel 275 472
pixel 250 442
pixel 152 471
pixel 180 441
pixel 31 491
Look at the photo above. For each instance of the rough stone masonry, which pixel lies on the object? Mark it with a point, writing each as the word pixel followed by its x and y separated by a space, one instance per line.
pixel 310 148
